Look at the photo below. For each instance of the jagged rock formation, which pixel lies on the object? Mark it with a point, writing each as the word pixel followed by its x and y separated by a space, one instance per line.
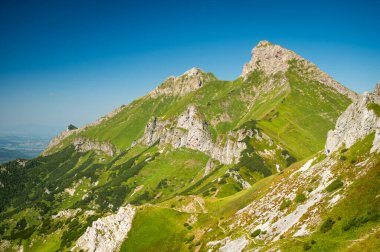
pixel 106 234
pixel 269 58
pixel 191 80
pixel 272 59
pixel 355 123
pixel 191 131
pixel 82 144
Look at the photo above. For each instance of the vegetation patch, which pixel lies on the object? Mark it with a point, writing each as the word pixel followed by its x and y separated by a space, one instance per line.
pixel 334 185
pixel 285 203
pixel 300 198
pixel 375 108
pixel 327 225
pixel 256 233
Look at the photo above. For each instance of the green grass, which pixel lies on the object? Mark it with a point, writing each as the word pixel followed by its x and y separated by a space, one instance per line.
pixel 334 185
pixel 157 229
pixel 375 108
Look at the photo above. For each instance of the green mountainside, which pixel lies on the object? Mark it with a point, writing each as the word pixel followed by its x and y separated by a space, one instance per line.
pixel 203 164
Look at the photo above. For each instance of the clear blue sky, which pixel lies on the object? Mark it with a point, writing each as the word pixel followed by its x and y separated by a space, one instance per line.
pixel 72 61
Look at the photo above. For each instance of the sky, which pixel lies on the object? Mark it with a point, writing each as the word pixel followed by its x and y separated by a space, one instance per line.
pixel 73 61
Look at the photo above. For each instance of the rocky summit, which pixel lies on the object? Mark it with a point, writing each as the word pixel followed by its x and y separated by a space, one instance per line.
pixel 283 158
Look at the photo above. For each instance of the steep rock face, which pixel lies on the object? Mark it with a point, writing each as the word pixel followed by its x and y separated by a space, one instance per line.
pixel 190 81
pixel 355 123
pixel 272 59
pixel 82 144
pixel 191 131
pixel 107 234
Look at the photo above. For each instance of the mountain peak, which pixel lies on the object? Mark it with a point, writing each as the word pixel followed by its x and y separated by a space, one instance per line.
pixel 193 71
pixel 189 81
pixel 271 59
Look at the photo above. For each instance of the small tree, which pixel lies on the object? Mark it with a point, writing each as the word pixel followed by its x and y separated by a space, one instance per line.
pixel 72 127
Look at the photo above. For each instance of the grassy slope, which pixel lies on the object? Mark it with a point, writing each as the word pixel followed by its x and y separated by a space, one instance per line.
pixel 356 217
pixel 359 210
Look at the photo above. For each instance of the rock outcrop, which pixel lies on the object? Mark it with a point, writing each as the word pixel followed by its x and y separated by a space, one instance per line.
pixel 356 122
pixel 107 234
pixel 57 140
pixel 190 81
pixel 269 58
pixel 272 59
pixel 64 134
pixel 190 130
pixel 82 144
pixel 209 167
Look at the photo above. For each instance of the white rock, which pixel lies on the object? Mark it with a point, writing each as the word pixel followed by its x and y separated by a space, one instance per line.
pixel 191 131
pixel 209 166
pixel 106 234
pixel 82 144
pixel 354 124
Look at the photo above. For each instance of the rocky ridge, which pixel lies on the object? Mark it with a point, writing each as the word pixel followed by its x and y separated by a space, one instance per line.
pixel 107 233
pixel 355 123
pixel 190 81
pixel 272 59
pixel 82 144
pixel 190 131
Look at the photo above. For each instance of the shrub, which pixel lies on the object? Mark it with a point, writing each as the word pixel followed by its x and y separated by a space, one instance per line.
pixel 21 224
pixel 327 225
pixel 334 185
pixel 360 220
pixel 375 108
pixel 300 198
pixel 285 204
pixel 72 127
pixel 343 158
pixel 256 233
pixel 306 246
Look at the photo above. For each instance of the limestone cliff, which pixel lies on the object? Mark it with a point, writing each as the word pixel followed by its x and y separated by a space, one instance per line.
pixel 107 234
pixel 82 144
pixel 191 131
pixel 359 120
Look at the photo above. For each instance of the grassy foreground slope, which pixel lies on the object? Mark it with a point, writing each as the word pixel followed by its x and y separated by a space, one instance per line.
pixel 347 224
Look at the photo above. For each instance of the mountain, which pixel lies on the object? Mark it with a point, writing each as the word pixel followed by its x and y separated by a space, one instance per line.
pixel 282 158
